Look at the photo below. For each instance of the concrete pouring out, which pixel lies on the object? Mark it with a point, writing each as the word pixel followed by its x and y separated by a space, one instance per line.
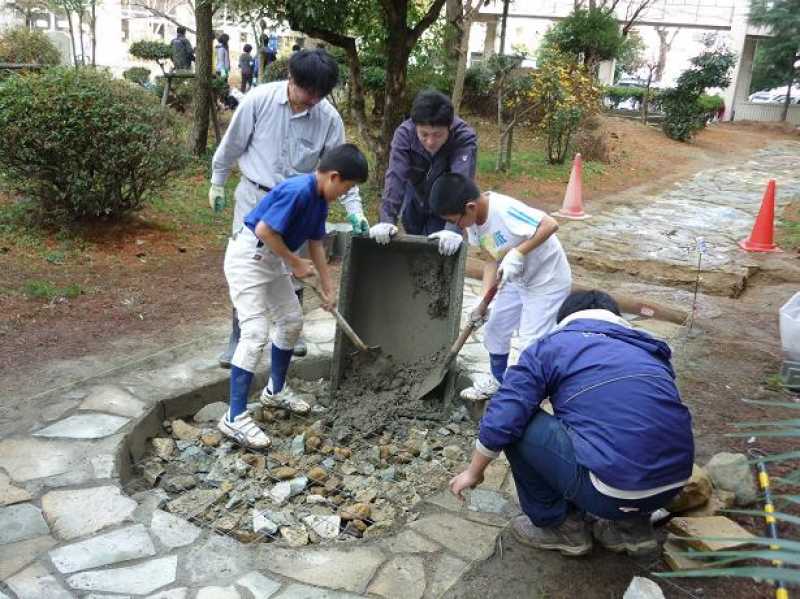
pixel 406 298
pixel 368 453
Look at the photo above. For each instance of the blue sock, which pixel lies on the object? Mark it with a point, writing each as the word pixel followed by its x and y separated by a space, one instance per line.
pixel 240 387
pixel 279 364
pixel 498 363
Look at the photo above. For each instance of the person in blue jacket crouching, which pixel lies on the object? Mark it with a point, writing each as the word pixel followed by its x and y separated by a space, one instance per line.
pixel 619 446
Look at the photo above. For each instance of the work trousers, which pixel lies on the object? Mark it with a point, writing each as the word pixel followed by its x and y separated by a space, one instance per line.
pixel 550 482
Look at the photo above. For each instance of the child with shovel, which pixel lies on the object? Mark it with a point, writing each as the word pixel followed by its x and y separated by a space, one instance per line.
pixel 527 261
pixel 258 263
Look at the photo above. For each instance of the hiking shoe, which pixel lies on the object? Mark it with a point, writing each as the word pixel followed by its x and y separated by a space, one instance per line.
pixel 286 399
pixel 300 348
pixel 244 431
pixel 483 387
pixel 571 537
pixel 635 536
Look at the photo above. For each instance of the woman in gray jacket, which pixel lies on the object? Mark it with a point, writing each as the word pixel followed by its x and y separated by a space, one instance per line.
pixel 223 56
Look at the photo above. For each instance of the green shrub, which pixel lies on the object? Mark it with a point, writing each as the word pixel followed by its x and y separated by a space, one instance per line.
pixel 710 104
pixel 180 94
pixel 138 75
pixel 480 94
pixel 685 112
pixel 278 70
pixel 158 52
pixel 84 145
pixel 21 46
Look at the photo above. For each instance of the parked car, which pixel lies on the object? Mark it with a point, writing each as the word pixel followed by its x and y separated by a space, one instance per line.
pixel 775 96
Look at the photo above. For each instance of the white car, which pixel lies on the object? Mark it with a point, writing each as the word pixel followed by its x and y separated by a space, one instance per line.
pixel 775 96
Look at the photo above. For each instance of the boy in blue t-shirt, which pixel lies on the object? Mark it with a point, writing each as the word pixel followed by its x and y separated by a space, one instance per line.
pixel 258 263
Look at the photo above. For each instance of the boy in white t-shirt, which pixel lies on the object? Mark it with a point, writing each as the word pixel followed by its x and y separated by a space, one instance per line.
pixel 526 258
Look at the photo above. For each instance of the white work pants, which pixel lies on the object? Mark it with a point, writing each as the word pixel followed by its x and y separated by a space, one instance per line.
pixel 261 291
pixel 532 311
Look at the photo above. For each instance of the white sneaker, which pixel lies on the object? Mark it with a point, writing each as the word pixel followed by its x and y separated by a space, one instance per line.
pixel 244 431
pixel 483 387
pixel 285 398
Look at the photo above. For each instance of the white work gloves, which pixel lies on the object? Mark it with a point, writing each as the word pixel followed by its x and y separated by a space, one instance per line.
pixel 511 266
pixel 476 319
pixel 382 232
pixel 449 241
pixel 216 197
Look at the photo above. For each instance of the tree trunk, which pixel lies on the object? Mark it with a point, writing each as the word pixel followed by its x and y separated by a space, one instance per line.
pixel 454 11
pixel 788 100
pixel 198 139
pixel 461 66
pixel 503 26
pixel 80 34
pixel 499 163
pixel 664 46
pixel 94 32
pixel 71 35
pixel 397 51
pixel 646 97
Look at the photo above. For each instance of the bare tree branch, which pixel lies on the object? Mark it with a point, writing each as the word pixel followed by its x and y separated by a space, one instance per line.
pixel 158 13
pixel 631 21
pixel 426 21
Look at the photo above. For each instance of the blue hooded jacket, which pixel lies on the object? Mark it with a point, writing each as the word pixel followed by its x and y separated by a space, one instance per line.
pixel 613 388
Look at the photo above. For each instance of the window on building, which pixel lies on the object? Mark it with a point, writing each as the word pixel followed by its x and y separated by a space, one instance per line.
pixel 126 30
pixel 41 20
pixel 62 24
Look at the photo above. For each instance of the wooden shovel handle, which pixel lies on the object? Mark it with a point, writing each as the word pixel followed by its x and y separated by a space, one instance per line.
pixel 482 307
pixel 312 282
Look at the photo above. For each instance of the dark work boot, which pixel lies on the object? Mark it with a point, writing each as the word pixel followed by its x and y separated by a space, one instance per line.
pixel 635 536
pixel 225 357
pixel 571 537
pixel 300 348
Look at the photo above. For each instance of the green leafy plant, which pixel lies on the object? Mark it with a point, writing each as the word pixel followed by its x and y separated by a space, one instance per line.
pixel 158 52
pixel 767 549
pixel 587 35
pixel 84 145
pixel 564 94
pixel 685 113
pixel 22 46
pixel 45 290
pixel 278 70
pixel 137 75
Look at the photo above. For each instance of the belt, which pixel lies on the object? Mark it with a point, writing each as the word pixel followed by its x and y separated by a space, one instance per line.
pixel 263 188
pixel 244 228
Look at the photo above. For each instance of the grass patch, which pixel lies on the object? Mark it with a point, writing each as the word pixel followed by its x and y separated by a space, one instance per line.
pixel 533 164
pixel 45 290
pixel 788 234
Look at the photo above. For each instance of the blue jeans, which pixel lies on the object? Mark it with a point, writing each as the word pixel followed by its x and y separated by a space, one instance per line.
pixel 550 483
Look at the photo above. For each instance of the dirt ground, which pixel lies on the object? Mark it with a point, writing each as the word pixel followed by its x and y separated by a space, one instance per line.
pixel 142 278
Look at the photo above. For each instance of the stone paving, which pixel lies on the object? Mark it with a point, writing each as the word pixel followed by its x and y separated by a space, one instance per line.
pixel 654 237
pixel 68 530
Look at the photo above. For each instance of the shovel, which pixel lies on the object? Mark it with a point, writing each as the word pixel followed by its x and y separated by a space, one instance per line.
pixel 436 376
pixel 312 283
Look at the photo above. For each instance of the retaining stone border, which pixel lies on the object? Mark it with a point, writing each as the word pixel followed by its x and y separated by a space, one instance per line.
pixel 67 530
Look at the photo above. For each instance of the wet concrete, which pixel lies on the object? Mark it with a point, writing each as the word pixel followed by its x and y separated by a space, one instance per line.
pixel 406 298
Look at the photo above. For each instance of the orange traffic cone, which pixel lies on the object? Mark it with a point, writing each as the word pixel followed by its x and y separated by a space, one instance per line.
pixel 573 204
pixel 761 237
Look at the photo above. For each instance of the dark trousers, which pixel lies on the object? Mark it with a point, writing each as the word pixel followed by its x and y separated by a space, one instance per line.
pixel 247 81
pixel 550 483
